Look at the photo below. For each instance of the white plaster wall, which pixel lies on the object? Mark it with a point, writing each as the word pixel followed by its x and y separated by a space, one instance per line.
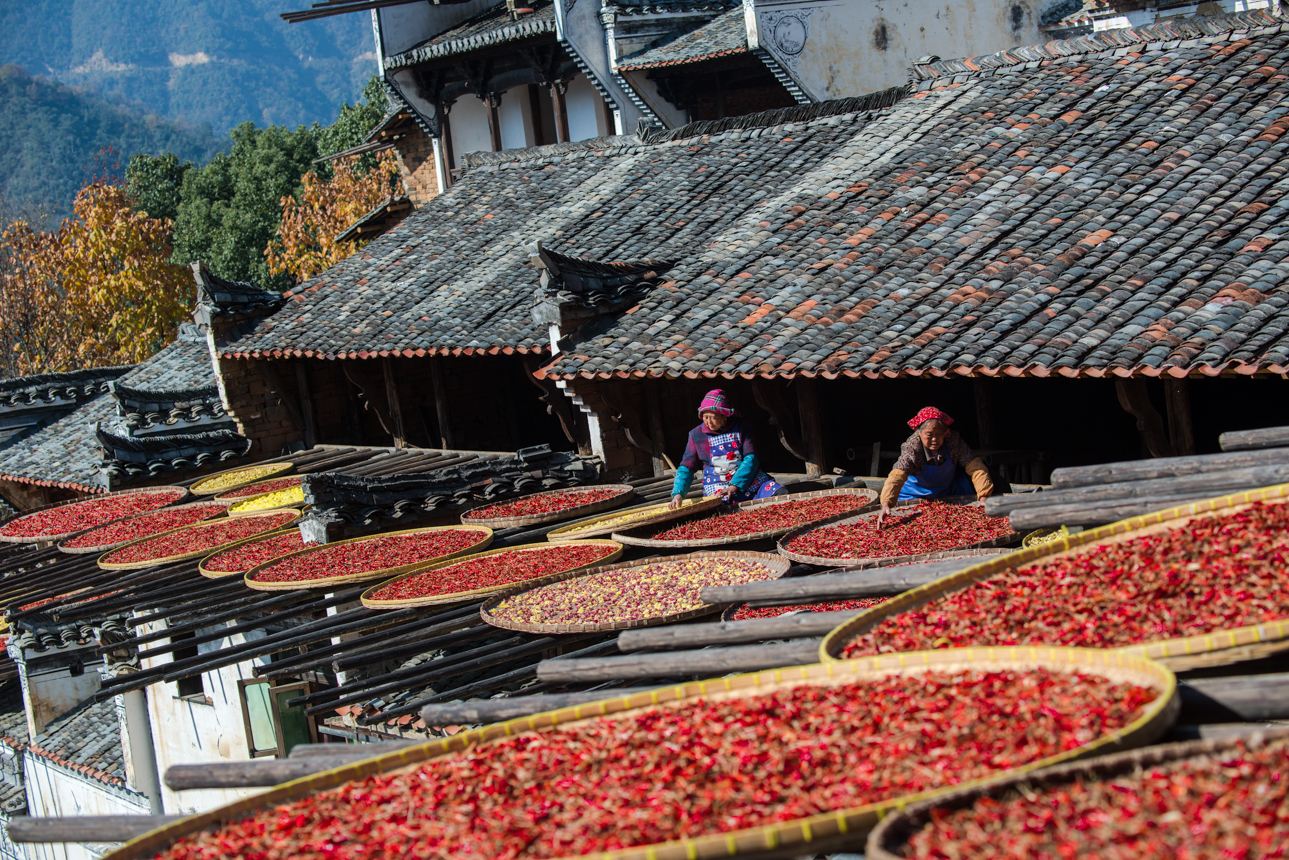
pixel 839 48
pixel 55 791
pixel 585 110
pixel 468 121
pixel 1142 17
pixel 516 115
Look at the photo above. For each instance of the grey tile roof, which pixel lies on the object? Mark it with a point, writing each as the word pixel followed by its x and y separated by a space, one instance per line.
pixel 181 366
pixel 63 454
pixel 724 35
pixel 87 741
pixel 1113 205
pixel 487 29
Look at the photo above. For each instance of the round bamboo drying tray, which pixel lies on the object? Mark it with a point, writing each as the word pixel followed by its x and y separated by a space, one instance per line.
pixel 247 505
pixel 179 493
pixel 888 839
pixel 459 596
pixel 630 539
pixel 107 546
pixel 216 574
pixel 485 538
pixel 607 524
pixel 775 567
pixel 255 473
pixel 1215 648
pixel 154 562
pixel 625 492
pixel 813 835
pixel 227 495
pixel 869 561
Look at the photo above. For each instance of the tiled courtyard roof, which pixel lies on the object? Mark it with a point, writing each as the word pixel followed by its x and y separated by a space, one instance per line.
pixel 493 27
pixel 87 741
pixel 64 454
pixel 723 36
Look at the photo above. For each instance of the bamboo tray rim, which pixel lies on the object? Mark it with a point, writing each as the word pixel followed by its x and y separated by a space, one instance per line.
pixel 344 579
pixel 1159 649
pixel 246 500
pixel 615 552
pixel 217 574
pixel 626 536
pixel 184 494
pixel 625 491
pixel 863 561
pixel 276 469
pixel 224 495
pixel 587 531
pixel 776 566
pixel 156 562
pixel 801 835
pixel 892 834
pixel 86 550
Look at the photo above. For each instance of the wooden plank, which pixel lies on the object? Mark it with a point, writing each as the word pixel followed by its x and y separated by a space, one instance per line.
pixel 732 632
pixel 346 749
pixel 1165 467
pixel 874 582
pixel 703 662
pixel 1096 513
pixel 85 828
pixel 1235 697
pixel 1248 440
pixel 1219 731
pixel 243 774
pixel 1198 486
pixel 395 408
pixel 480 711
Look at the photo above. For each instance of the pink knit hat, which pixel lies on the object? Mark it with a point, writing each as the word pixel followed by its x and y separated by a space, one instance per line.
pixel 715 401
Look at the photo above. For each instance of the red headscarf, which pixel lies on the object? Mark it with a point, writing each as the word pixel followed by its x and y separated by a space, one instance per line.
pixel 930 413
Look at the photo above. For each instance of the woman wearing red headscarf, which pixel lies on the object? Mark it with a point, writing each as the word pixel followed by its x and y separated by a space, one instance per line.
pixel 934 462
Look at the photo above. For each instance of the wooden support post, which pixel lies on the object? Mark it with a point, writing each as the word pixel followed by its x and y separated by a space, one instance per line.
pixel 610 123
pixel 559 106
pixel 395 408
pixel 445 142
pixel 1177 405
pixel 446 437
pixel 306 404
pixel 653 405
pixel 493 102
pixel 1134 397
pixel 812 426
pixel 982 393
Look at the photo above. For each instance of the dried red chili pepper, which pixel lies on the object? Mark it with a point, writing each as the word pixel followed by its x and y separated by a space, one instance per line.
pixel 698 768
pixel 240 559
pixel 779 516
pixel 544 503
pixel 747 613
pixel 498 569
pixel 1213 573
pixel 199 538
pixel 1232 804
pixel 925 527
pixel 144 525
pixel 73 517
pixel 268 486
pixel 379 552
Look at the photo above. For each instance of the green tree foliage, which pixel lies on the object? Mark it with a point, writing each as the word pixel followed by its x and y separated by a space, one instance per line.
pixel 154 183
pixel 229 209
pixel 355 120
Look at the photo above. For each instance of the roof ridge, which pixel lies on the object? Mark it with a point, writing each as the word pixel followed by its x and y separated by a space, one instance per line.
pixel 1179 28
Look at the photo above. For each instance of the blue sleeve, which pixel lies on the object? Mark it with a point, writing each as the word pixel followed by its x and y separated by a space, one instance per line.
pixel 746 472
pixel 684 477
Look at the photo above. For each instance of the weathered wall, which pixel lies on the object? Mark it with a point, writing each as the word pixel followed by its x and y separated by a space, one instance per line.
pixel 416 165
pixel 586 118
pixel 55 791
pixel 261 399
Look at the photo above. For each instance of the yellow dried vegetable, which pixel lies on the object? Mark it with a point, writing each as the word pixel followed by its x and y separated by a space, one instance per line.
pixel 288 498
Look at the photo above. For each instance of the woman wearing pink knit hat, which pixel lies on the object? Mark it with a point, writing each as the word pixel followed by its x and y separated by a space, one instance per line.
pixel 723 448
pixel 935 462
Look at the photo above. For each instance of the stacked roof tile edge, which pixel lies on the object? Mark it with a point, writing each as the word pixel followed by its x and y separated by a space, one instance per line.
pixel 495 26
pixel 1110 205
pixel 723 36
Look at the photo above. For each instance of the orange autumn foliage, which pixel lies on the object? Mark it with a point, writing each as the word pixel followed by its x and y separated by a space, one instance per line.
pixel 99 290
pixel 306 241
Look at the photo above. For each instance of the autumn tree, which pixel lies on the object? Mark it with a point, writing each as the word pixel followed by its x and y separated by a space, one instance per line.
pixel 306 241
pixel 98 290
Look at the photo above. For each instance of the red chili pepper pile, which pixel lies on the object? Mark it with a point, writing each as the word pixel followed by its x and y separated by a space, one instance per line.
pixel 544 503
pixel 196 539
pixel 242 558
pixel 704 767
pixel 263 487
pixel 1214 573
pixel 926 527
pixel 380 552
pixel 74 517
pixel 1233 805
pixel 143 525
pixel 780 517
pixel 491 571
pixel 625 594
pixel 747 613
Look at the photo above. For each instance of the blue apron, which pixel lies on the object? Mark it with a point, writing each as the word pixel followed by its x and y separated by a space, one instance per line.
pixel 726 452
pixel 937 480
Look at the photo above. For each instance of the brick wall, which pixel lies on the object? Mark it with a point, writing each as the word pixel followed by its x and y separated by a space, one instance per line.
pixel 415 152
pixel 263 406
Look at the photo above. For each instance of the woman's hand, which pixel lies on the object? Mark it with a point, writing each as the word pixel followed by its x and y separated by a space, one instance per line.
pixel 675 502
pixel 726 491
pixel 980 497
